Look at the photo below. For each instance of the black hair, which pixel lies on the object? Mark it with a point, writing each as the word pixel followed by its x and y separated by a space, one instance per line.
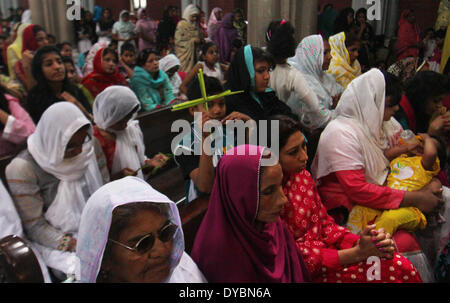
pixel 62 44
pixel 361 10
pixel 66 59
pixel 328 5
pixel 237 43
pixel 36 63
pixel 394 88
pixel 144 54
pixel 351 39
pixel 110 50
pixel 4 104
pixel 260 55
pixel 341 23
pixel 212 87
pixel 3 37
pixel 422 87
pixel 113 42
pixel 280 39
pixel 37 29
pixel 287 127
pixel 205 48
pixel 441 152
pixel 127 47
pixel 440 34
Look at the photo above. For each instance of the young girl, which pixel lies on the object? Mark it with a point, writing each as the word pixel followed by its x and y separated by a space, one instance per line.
pixel 119 133
pixel 34 37
pixel 344 64
pixel 105 72
pixel 72 76
pixel 52 84
pixel 151 85
pixel 209 64
pixel 170 64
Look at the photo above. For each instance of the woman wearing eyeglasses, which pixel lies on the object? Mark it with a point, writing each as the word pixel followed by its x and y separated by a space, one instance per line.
pixel 151 84
pixel 52 179
pixel 131 233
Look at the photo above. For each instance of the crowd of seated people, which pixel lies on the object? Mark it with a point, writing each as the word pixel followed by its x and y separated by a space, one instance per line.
pixel 324 178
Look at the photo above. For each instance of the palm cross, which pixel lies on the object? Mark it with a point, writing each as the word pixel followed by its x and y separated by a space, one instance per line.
pixel 204 99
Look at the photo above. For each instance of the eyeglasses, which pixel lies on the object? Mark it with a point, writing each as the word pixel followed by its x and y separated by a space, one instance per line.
pixel 146 243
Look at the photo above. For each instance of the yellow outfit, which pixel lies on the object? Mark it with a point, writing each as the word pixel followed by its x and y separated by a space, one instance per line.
pixel 340 66
pixel 408 174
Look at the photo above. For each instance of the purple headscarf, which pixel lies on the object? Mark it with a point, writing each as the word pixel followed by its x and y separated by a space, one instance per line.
pixel 228 248
pixel 225 36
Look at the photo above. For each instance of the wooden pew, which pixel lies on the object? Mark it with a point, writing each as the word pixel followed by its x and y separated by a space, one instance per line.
pixel 156 127
pixel 191 217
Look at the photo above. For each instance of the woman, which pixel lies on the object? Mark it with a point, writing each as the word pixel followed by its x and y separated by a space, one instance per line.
pixel 224 38
pixel 14 52
pixel 366 35
pixel 167 27
pixel 114 218
pixel 332 253
pixel 240 24
pixel 52 179
pixel 124 30
pixel 242 238
pixel 52 84
pixel 34 37
pixel 408 42
pixel 250 71
pixel 105 72
pixel 344 64
pixel 354 173
pixel 15 124
pixel 85 31
pixel 325 23
pixel 188 38
pixel 344 20
pixel 423 98
pixel 351 164
pixel 215 19
pixel 119 134
pixel 312 59
pixel 146 29
pixel 287 81
pixel 104 26
pixel 151 85
pixel 170 64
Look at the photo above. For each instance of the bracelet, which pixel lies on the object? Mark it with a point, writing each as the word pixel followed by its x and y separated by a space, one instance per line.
pixel 64 242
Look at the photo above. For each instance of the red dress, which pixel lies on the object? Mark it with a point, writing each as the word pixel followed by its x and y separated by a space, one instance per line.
pixel 319 238
pixel 108 147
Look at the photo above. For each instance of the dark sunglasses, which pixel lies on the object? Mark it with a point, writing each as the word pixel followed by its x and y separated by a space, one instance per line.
pixel 146 243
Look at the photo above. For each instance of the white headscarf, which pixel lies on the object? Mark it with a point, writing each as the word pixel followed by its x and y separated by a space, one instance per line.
pixel 89 65
pixel 309 61
pixel 111 106
pixel 190 10
pixel 356 139
pixel 47 146
pixel 168 62
pixel 96 222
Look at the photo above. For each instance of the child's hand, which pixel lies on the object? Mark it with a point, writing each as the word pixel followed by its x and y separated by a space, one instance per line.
pixel 235 116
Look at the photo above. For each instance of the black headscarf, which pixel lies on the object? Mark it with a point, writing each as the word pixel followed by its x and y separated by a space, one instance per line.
pixel 239 79
pixel 41 96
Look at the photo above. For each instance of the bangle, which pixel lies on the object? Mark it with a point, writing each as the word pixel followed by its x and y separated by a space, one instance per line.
pixel 64 242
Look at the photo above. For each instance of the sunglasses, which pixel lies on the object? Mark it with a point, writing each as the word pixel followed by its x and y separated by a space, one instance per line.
pixel 146 243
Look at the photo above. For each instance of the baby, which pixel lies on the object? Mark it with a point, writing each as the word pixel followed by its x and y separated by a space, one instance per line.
pixel 410 171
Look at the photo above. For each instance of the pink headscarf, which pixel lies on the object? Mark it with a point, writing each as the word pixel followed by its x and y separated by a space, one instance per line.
pixel 228 248
pixel 213 23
